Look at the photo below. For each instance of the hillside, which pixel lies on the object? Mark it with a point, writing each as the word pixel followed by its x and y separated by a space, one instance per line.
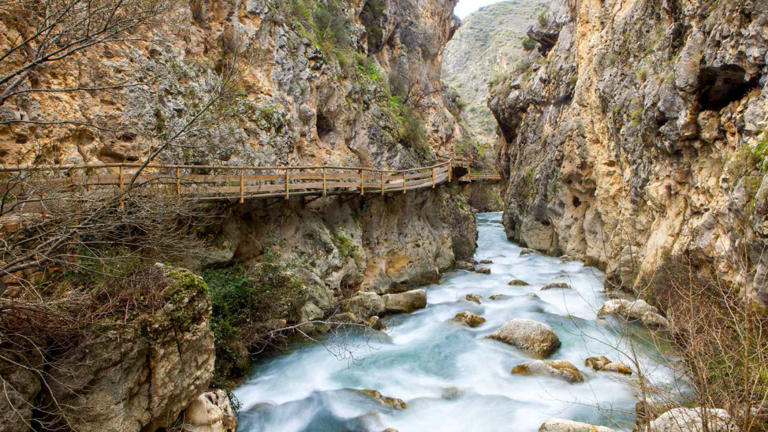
pixel 487 44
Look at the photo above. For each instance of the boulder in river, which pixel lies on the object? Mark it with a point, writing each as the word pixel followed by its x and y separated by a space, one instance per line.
pixel 406 302
pixel 385 400
pixel 556 285
pixel 602 363
pixel 560 425
pixel 497 297
pixel 556 368
pixel 469 319
pixel 486 261
pixel 527 251
pixel 634 310
pixel 534 337
pixel 473 298
pixel 465 265
pixel 692 420
pixel 364 304
pixel 376 323
pixel 483 270
pixel 210 412
pixel 517 282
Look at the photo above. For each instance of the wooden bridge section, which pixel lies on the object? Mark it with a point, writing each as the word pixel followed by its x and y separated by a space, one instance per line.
pixel 215 182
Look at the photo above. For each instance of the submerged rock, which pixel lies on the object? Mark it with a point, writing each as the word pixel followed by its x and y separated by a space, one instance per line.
pixel 469 319
pixel 560 425
pixel 483 270
pixel 634 310
pixel 486 261
pixel 210 412
pixel 384 400
pixel 473 298
pixel 534 337
pixel 517 282
pixel 407 302
pixel 527 251
pixel 497 297
pixel 556 285
pixel 556 368
pixel 693 419
pixel 602 363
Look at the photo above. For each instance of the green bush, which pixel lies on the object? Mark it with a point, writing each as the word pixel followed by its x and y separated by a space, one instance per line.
pixel 243 301
pixel 529 44
pixel 371 15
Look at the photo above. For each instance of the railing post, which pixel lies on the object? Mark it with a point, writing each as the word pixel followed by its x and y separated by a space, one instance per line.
pixel 325 190
pixel 433 177
pixel 405 180
pixel 242 187
pixel 382 182
pixel 122 200
pixel 450 170
pixel 362 182
pixel 287 187
pixel 178 182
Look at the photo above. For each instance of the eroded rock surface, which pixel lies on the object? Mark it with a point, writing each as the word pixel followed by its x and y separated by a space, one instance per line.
pixel 634 143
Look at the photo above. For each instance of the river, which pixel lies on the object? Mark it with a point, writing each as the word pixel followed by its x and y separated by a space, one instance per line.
pixel 452 377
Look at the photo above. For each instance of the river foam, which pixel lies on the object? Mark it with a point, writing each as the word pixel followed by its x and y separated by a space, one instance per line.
pixel 452 377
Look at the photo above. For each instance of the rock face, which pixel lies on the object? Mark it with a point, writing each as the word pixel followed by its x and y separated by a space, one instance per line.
pixel 556 368
pixel 137 377
pixel 305 94
pixel 692 420
pixel 560 425
pixel 534 337
pixel 367 244
pixel 634 310
pixel 638 139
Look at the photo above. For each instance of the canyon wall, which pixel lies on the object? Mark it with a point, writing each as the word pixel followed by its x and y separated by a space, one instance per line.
pixel 635 135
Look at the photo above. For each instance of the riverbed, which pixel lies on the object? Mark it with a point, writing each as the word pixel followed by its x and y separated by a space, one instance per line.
pixel 452 377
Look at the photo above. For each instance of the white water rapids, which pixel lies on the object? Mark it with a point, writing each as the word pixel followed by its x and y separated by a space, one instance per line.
pixel 451 376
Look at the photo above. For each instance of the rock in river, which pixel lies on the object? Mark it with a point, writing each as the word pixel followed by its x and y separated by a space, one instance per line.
pixel 469 319
pixel 534 337
pixel 602 363
pixel 406 302
pixel 560 425
pixel 517 282
pixel 634 310
pixel 556 368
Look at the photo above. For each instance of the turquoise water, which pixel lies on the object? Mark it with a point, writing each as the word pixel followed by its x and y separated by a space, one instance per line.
pixel 451 376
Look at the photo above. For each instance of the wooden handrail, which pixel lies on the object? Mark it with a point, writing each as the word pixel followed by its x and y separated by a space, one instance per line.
pixel 230 182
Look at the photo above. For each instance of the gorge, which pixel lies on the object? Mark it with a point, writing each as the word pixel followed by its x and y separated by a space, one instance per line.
pixel 286 215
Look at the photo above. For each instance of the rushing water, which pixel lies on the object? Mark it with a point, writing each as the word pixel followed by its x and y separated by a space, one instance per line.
pixel 452 378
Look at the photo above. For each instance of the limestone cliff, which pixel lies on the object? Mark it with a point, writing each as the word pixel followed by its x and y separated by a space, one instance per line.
pixel 302 81
pixel 636 133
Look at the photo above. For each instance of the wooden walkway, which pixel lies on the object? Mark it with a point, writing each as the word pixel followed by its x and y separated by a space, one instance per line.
pixel 216 182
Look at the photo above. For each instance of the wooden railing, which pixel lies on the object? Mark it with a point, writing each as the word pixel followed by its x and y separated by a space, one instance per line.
pixel 216 182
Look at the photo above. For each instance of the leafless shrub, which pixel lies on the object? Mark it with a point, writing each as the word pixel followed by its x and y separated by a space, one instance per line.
pixel 721 340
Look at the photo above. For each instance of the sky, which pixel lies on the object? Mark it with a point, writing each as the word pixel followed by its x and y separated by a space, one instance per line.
pixel 466 7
